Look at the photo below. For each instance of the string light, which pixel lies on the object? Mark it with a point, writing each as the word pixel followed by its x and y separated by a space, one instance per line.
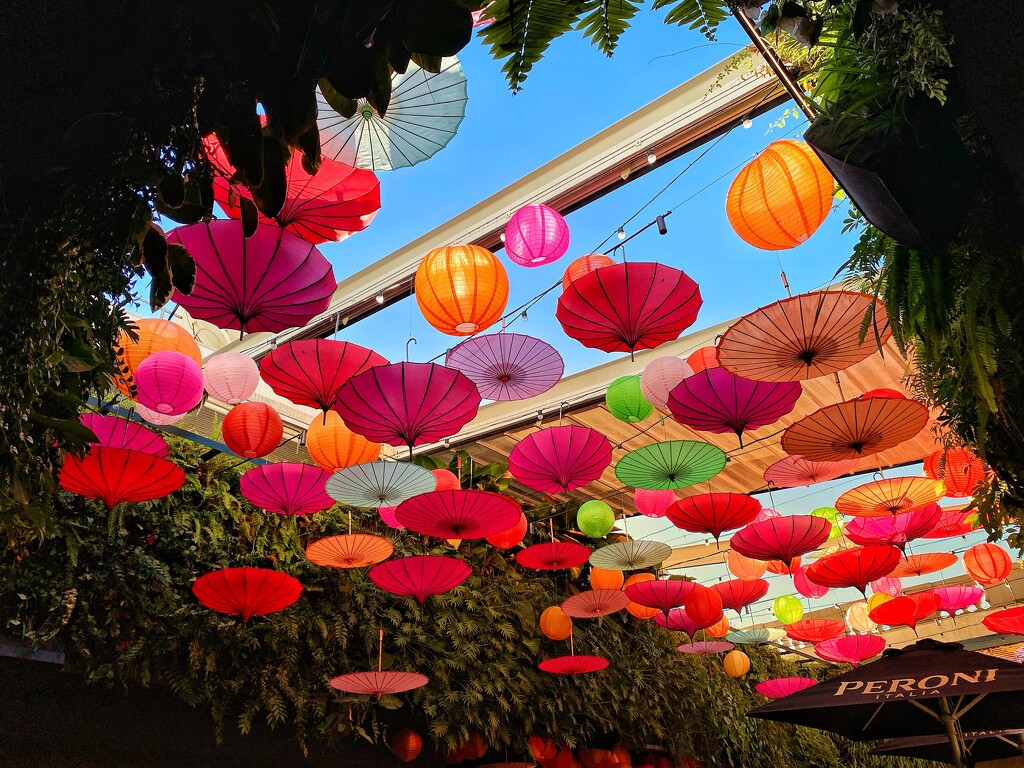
pixel 380 297
pixel 621 233
pixel 747 122
pixel 651 158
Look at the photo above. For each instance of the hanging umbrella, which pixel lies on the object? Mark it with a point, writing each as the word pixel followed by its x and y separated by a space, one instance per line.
pixel 805 586
pixel 378 683
pixel 423 114
pixel 572 665
pixel 753 636
pixel 781 538
pixel 804 337
pixel 420 577
pixel 906 610
pixel 462 514
pixel 898 529
pixel 854 567
pixel 286 489
pixel 981 747
pixel 889 496
pixel 407 403
pixel 855 428
pixel 850 649
pixel 247 592
pixel 715 400
pixel 630 306
pixel 952 522
pixel 1009 621
pixel 115 432
pixel 919 565
pixel 560 459
pixel 309 372
pixel 713 512
pixel 738 594
pixel 114 475
pixel 663 594
pixel 507 366
pixel 379 483
pixel 794 471
pixel 670 464
pixel 677 620
pixel 957 597
pixel 594 602
pixel 815 631
pixel 553 556
pixel 630 555
pixel 349 550
pixel 268 282
pixel 706 647
pixel 651 503
pixel 780 687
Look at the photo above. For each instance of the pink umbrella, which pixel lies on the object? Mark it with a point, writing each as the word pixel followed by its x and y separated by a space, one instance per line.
pixel 507 366
pixel 572 665
pixel 387 514
pixel 663 594
pixel 805 586
pixel 717 401
pixel 268 282
pixel 887 585
pixel 661 376
pixel 458 514
pixel 378 683
pixel 850 649
pixel 592 603
pixel 653 503
pixel 898 529
pixel 115 432
pixel 677 620
pixel 420 577
pixel 706 647
pixel 560 459
pixel 958 597
pixel 738 594
pixel 407 403
pixel 287 489
pixel 794 471
pixel 952 522
pixel 310 372
pixel 169 382
pixel 781 538
pixel 781 687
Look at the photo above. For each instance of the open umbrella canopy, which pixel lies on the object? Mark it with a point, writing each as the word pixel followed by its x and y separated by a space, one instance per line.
pixel 663 594
pixel 462 514
pixel 630 555
pixel 779 687
pixel 924 563
pixel 592 603
pixel 560 459
pixel 980 746
pixel 420 577
pixel 377 683
pixel 815 631
pixel 907 610
pixel 1009 621
pixel 953 522
pixel 713 512
pixel 309 372
pixel 247 592
pixel 957 597
pixel 752 636
pixel 889 496
pixel 553 556
pixel 738 594
pixel 854 567
pixel 379 483
pixel 793 471
pixel 286 488
pixel 115 432
pixel 113 475
pixel 507 366
pixel 850 649
pixel 805 586
pixel 781 538
pixel 898 529
pixel 670 464
pixel 572 665
pixel 349 550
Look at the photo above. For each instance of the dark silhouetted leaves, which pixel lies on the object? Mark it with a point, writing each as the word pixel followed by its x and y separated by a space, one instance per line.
pixel 270 195
pixel 435 27
pixel 160 289
pixel 171 190
pixel 250 216
pixel 340 103
pixel 154 250
pixel 181 267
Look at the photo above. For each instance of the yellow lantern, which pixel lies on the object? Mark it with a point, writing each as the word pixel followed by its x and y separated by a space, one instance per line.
pixel 788 609
pixel 736 663
pixel 858 619
pixel 877 599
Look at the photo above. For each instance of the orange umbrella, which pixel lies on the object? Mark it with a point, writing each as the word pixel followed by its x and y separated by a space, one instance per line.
pixel 351 550
pixel 919 565
pixel 890 496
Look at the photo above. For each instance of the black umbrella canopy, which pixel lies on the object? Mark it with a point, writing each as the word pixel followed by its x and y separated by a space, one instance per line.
pixel 979 747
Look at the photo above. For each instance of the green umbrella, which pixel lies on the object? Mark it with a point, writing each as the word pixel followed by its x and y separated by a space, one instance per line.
pixel 670 464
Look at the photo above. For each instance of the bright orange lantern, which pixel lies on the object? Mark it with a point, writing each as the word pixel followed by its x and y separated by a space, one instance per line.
pixel 781 197
pixel 584 265
pixel 780 568
pixel 744 568
pixel 154 336
pixel 702 359
pixel 720 629
pixel 251 430
pixel 960 471
pixel 407 745
pixel 987 564
pixel 554 624
pixel 333 446
pixel 736 663
pixel 461 289
pixel 635 609
pixel 605 579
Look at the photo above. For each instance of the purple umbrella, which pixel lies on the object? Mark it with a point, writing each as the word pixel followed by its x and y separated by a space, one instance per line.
pixel 714 400
pixel 507 366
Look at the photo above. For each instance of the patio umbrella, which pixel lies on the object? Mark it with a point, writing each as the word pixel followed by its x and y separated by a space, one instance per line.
pixel 804 337
pixel 115 432
pixel 113 475
pixel 629 306
pixel 286 488
pixel 919 565
pixel 907 610
pixel 630 555
pixel 349 550
pixel 980 747
pixel 706 647
pixel 781 538
pixel 553 556
pixel 309 372
pixel 850 649
pixel 815 631
pixel 593 603
pixel 420 577
pixel 379 483
pixel 889 496
pixel 779 687
pixel 246 592
pixel 898 529
pixel 462 514
pixel 670 464
pixel 560 459
pixel 854 567
pixel 572 665
pixel 793 471
pixel 713 513
pixel 738 594
pixel 507 366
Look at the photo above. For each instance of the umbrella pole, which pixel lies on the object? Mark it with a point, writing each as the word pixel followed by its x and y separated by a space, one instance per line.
pixel 949 723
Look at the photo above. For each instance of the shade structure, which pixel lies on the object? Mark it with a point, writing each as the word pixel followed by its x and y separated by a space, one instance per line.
pixel 804 337
pixel 231 377
pixel 268 282
pixel 889 496
pixel 421 576
pixel 349 550
pixel 855 428
pixel 805 586
pixel 898 529
pixel 737 594
pixel 115 432
pixel 247 592
pixel 462 514
pixel 713 513
pixel 753 636
pixel 560 459
pixel 592 603
pixel 906 610
pixel 287 489
pixel 661 376
pixel 630 555
pixel 815 631
pixel 919 565
pixel 663 594
pixel 670 464
pixel 333 446
pixel 378 683
pixel 850 649
pixel 630 306
pixel 407 403
pixel 794 471
pixel 535 235
pixel 113 475
pixel 169 383
pixel 151 335
pixel 960 471
pixel 573 665
pixel 957 597
pixel 987 563
pixel 983 747
pixel 507 366
pixel 1009 621
pixel 309 372
pixel 743 567
pixel 653 503
pixel 715 400
pixel 952 522
pixel 706 647
pixel 379 483
pixel 854 567
pixel 423 114
pixel 553 556
pixel 781 538
pixel 779 687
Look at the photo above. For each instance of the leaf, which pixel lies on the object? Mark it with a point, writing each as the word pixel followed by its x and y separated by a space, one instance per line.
pixel 434 27
pixel 181 268
pixel 704 15
pixel 250 216
pixel 388 701
pixel 605 20
pixel 522 30
pixel 380 88
pixel 341 104
pixel 171 190
pixel 71 429
pixel 79 356
pixel 160 289
pixel 431 64
pixel 309 144
pixel 154 250
pixel 270 195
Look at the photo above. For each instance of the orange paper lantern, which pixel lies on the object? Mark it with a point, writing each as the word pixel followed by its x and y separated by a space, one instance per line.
pixel 960 471
pixel 781 197
pixel 744 568
pixel 334 446
pixel 605 579
pixel 407 745
pixel 541 748
pixel 251 430
pixel 780 568
pixel 446 480
pixel 461 289
pixel 554 624
pixel 153 336
pixel 584 265
pixel 635 609
pixel 719 629
pixel 987 564
pixel 736 663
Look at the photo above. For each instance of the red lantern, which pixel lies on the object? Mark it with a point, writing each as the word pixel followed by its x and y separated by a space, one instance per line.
pixel 446 480
pixel 703 358
pixel 703 606
pixel 509 538
pixel 960 471
pixel 987 564
pixel 407 745
pixel 251 430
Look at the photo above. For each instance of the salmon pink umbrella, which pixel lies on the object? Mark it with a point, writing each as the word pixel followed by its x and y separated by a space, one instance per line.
pixel 268 282
pixel 898 529
pixel 781 538
pixel 463 514
pixel 113 475
pixel 794 471
pixel 850 649
pixel 572 665
pixel 706 647
pixel 713 512
pixel 630 555
pixel 287 489
pixel 247 592
pixel 309 372
pixel 957 597
pixel 407 403
pixel 507 366
pixel 378 683
pixel 115 432
pixel 670 464
pixel 805 586
pixel 1009 621
pixel 737 594
pixel 906 610
pixel 887 586
pixel 592 603
pixel 421 576
pixel 677 620
pixel 919 565
pixel 854 567
pixel 629 306
pixel 890 496
pixel 379 483
pixel 663 594
pixel 952 522
pixel 349 550
pixel 560 459
pixel 653 503
pixel 553 556
pixel 780 687
pixel 815 631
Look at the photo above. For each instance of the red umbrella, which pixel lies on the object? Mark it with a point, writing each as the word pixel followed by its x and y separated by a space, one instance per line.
pixel 560 459
pixel 378 683
pixel 919 565
pixel 459 514
pixel 247 592
pixel 952 522
pixel 906 610
pixel 268 282
pixel 738 594
pixel 706 647
pixel 572 665
pixel 310 372
pixel 898 529
pixel 854 567
pixel 815 631
pixel 119 474
pixel 553 556
pixel 704 606
pixel 115 432
pixel 349 550
pixel 663 594
pixel 793 471
pixel 780 687
pixel 1009 621
pixel 805 586
pixel 595 602
pixel 420 577
pixel 287 489
pixel 781 538
pixel 850 649
pixel 890 496
pixel 626 307
pixel 713 512
pixel 717 401
pixel 507 366
pixel 407 403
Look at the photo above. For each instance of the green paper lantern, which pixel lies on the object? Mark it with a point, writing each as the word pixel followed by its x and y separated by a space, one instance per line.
pixel 788 609
pixel 626 402
pixel 595 518
pixel 834 516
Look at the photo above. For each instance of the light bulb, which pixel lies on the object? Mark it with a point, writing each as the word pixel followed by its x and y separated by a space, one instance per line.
pixel 621 233
pixel 747 122
pixel 502 237
pixel 651 158
pixel 380 297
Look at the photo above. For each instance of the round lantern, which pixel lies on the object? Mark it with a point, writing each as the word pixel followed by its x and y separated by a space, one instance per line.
pixel 509 538
pixel 661 376
pixel 960 471
pixel 887 585
pixel 877 599
pixel 702 359
pixel 736 663
pixel 719 628
pixel 857 616
pixel 446 481
pixel 595 518
pixel 555 624
pixel 584 265
pixel 743 567
pixel 635 609
pixel 153 335
pixel 407 745
pixel 781 197
pixel 833 516
pixel 461 289
pixel 334 446
pixel 157 418
pixel 535 235
pixel 231 377
pixel 626 401
pixel 601 578
pixel 169 382
pixel 251 430
pixel 987 564
pixel 788 609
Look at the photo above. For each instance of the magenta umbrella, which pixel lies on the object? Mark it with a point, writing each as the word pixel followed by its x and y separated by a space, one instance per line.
pixel 268 282
pixel 460 514
pixel 898 529
pixel 560 459
pixel 507 366
pixel 309 372
pixel 287 489
pixel 407 403
pixel 678 620
pixel 714 400
pixel 957 597
pixel 116 432
pixel 781 538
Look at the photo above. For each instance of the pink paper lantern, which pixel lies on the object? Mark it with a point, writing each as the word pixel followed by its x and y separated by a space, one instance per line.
pixel 660 377
pixel 887 585
pixel 156 418
pixel 653 503
pixel 231 377
pixel 169 382
pixel 805 586
pixel 536 235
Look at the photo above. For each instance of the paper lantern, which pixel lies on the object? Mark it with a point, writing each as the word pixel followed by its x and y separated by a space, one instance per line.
pixel 560 459
pixel 251 430
pixel 713 513
pixel 554 624
pixel 584 265
pixel 743 567
pixel 334 446
pixel 661 376
pixel 407 745
pixel 286 488
pixel 737 594
pixel 987 564
pixel 152 335
pixel 653 503
pixel 887 585
pixel 854 567
pixel 595 518
pixel 536 234
pixel 446 480
pixel 719 629
pixel 805 586
pixel 858 616
pixel 626 401
pixel 510 537
pixel 169 382
pixel 601 578
pixel 877 599
pixel 736 663
pixel 310 371
pixel 780 687
pixel 960 471
pixel 156 418
pixel 634 608
pixel 114 475
pixel 787 609
pixel 115 432
pixel 702 359
pixel 247 592
pixel 231 377
pixel 704 607
pixel 461 289
pixel 781 197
